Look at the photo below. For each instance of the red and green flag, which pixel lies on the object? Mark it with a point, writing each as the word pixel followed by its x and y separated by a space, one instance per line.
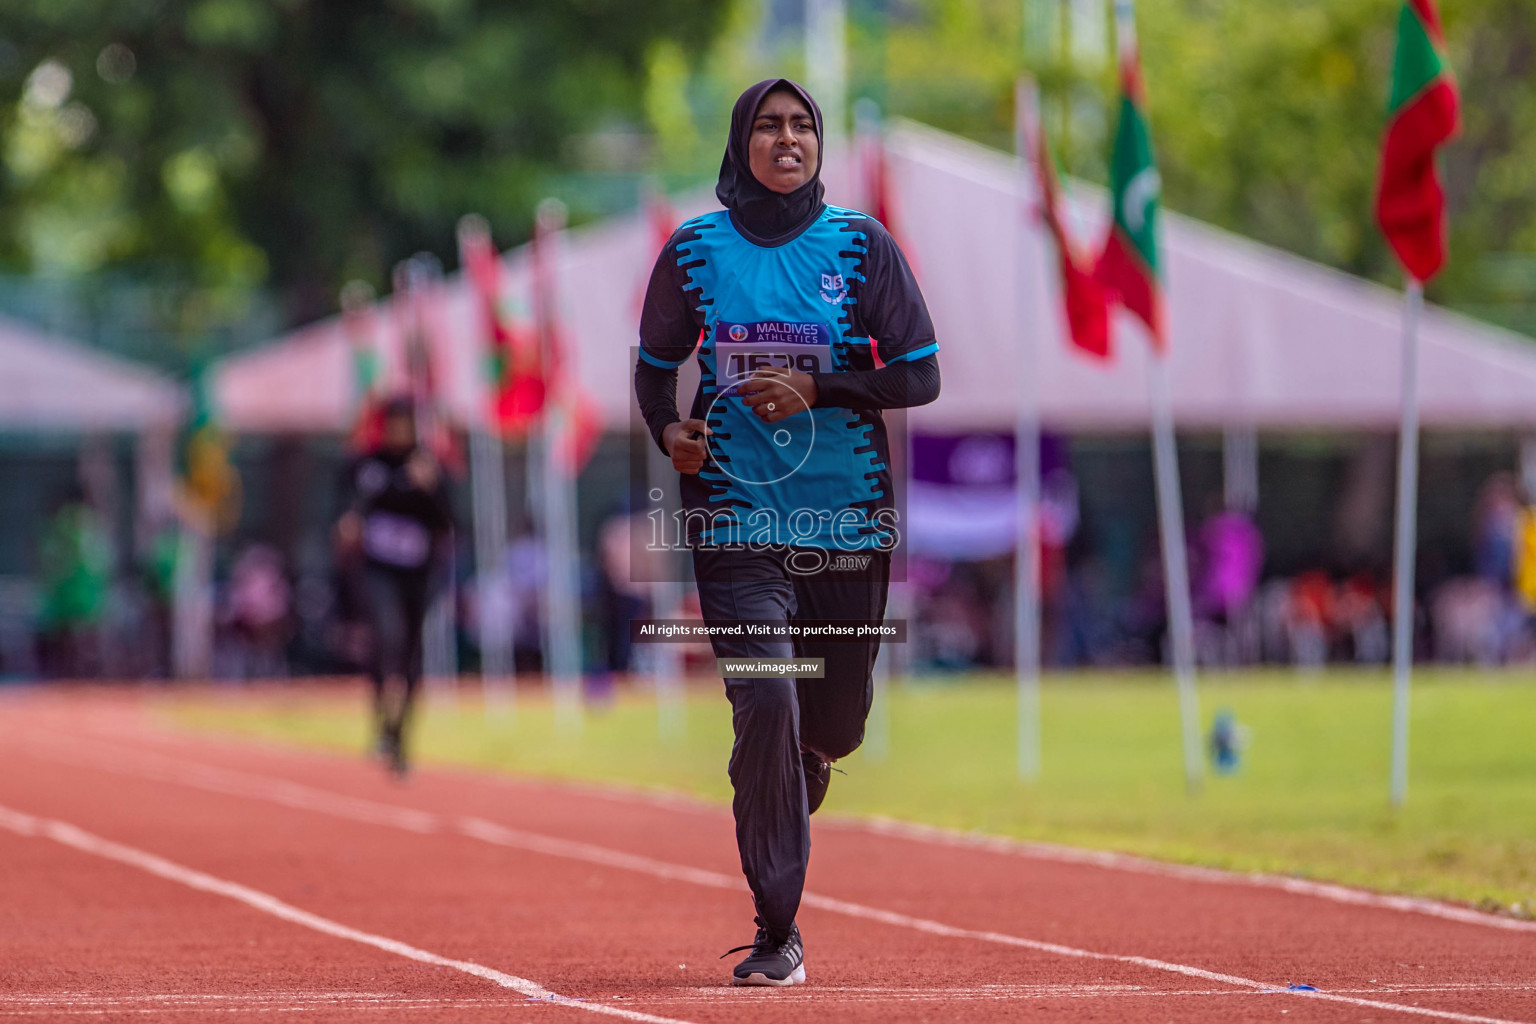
pixel 513 365
pixel 572 419
pixel 880 197
pixel 1086 300
pixel 1424 113
pixel 1129 267
pixel 420 300
pixel 360 324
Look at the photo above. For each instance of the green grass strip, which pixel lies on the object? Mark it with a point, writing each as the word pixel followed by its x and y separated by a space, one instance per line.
pixel 1310 798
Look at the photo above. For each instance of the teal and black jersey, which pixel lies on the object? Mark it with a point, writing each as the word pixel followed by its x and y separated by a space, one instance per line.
pixel 835 301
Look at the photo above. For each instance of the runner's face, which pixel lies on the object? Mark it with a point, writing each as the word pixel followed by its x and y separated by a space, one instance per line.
pixel 783 149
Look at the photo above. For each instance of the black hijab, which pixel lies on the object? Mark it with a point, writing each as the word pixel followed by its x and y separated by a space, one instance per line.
pixel 763 215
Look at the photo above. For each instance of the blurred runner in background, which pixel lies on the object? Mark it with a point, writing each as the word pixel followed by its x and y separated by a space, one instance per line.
pixel 397 521
pixel 811 323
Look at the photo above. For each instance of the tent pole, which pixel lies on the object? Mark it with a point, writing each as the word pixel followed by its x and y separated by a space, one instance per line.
pixel 563 601
pixel 668 664
pixel 563 619
pixel 1170 511
pixel 488 488
pixel 867 151
pixel 1026 575
pixel 192 600
pixel 1407 530
pixel 1240 467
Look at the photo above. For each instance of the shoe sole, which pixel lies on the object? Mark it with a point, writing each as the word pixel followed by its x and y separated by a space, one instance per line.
pixel 796 977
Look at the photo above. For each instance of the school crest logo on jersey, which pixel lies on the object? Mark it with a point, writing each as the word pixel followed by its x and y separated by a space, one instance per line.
pixel 832 288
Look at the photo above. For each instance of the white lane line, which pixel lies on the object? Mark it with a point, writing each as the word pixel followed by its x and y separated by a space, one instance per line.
pixel 327 1008
pixel 716 992
pixel 252 785
pixel 233 782
pixel 79 839
pixel 824 996
pixel 1060 854
pixel 241 999
pixel 937 835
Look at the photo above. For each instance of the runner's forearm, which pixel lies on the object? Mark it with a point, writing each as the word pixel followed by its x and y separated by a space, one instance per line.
pixel 894 386
pixel 656 390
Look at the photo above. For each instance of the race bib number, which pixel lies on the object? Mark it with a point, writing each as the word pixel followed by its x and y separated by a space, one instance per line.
pixel 396 540
pixel 743 349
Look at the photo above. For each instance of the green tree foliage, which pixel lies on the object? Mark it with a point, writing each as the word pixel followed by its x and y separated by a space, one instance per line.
pixel 1267 117
pixel 298 143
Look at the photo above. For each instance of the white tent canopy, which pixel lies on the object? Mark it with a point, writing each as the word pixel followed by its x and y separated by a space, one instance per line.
pixel 1258 336
pixel 50 383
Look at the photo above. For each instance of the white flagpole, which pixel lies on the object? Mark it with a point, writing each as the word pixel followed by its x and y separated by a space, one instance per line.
pixel 1026 575
pixel 563 621
pixel 668 664
pixel 488 485
pixel 422 277
pixel 868 141
pixel 1170 512
pixel 192 596
pixel 1407 533
pixel 488 493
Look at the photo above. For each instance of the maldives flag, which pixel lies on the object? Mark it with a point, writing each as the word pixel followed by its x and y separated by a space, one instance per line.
pixel 426 344
pixel 1086 300
pixel 662 220
pixel 1410 201
pixel 513 365
pixel 880 202
pixel 1128 266
pixel 573 422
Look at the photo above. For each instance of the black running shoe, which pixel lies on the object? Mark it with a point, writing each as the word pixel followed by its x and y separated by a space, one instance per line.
pixel 818 775
pixel 771 962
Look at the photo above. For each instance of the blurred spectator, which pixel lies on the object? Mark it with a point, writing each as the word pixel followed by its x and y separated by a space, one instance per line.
pixel 76 561
pixel 1466 616
pixel 1230 557
pixel 620 598
pixel 527 571
pixel 1523 559
pixel 1311 619
pixel 256 614
pixel 1493 529
pixel 1085 630
pixel 1145 619
pixel 1362 618
pixel 948 634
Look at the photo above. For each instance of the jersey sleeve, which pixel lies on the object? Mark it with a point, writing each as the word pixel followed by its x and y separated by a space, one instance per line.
pixel 899 385
pixel 670 320
pixel 889 305
pixel 670 324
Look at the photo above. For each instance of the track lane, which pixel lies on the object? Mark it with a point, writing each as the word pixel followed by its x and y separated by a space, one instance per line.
pixel 1026 898
pixel 582 930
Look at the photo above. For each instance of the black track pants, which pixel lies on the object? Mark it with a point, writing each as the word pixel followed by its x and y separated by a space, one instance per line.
pixel 775 718
pixel 397 606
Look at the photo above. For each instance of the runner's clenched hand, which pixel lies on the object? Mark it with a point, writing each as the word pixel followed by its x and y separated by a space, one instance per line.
pixel 774 392
pixel 684 441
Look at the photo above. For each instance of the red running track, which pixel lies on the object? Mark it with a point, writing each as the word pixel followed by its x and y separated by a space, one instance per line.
pixel 153 874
